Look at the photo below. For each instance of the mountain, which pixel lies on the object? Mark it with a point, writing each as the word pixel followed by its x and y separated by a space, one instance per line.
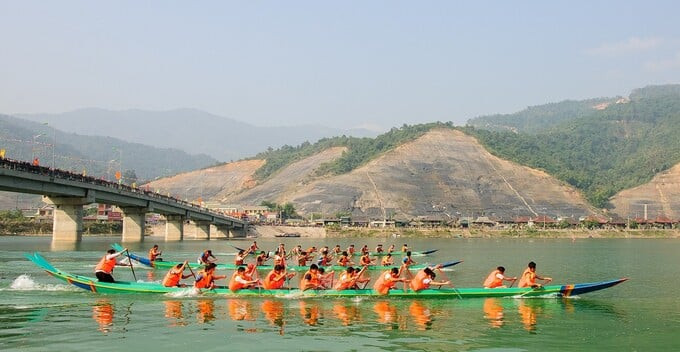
pixel 190 130
pixel 539 118
pixel 619 145
pixel 98 156
pixel 442 172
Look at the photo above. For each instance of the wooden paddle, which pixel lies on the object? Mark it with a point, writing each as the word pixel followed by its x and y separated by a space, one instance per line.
pixel 131 267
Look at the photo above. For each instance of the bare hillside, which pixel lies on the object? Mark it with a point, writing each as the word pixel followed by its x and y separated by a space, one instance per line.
pixel 662 196
pixel 444 172
pixel 210 182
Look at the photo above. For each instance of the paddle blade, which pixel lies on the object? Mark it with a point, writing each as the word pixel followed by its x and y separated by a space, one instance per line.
pixel 428 252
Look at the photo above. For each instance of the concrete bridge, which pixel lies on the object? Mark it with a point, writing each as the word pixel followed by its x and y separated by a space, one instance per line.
pixel 68 192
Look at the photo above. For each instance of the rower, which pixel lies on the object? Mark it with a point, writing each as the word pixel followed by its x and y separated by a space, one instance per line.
pixel 204 258
pixel 404 248
pixel 326 278
pixel 366 260
pixel 379 248
pixel 311 250
pixel 391 249
pixel 261 258
pixel 351 250
pixel 496 277
pixel 155 253
pixel 279 258
pixel 337 250
pixel 529 277
pixel 364 249
pixel 311 280
pixel 240 280
pixel 104 269
pixel 296 250
pixel 325 259
pixel 388 280
pixel 206 277
pixel 303 258
pixel 350 278
pixel 345 259
pixel 408 261
pixel 387 260
pixel 240 258
pixel 253 247
pixel 276 278
pixel 424 278
pixel 175 274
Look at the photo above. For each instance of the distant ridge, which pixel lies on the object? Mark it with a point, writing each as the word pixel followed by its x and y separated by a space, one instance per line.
pixel 191 130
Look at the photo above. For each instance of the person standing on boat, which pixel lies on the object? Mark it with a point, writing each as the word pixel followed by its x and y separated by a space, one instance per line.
pixel 529 277
pixel 387 260
pixel 206 277
pixel 154 253
pixel 204 258
pixel 424 278
pixel 104 269
pixel 276 278
pixel 176 274
pixel 496 277
pixel 388 280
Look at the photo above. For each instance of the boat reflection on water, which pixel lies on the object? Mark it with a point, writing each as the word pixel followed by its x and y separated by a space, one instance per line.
pixel 273 312
pixel 173 312
pixel 102 313
pixel 205 311
pixel 240 309
pixel 388 314
pixel 421 314
pixel 493 311
pixel 527 312
pixel 310 312
pixel 347 314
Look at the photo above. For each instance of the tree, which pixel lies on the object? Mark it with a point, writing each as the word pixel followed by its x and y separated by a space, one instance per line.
pixel 129 177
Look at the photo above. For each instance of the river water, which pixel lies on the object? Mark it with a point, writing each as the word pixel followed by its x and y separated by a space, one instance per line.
pixel 39 313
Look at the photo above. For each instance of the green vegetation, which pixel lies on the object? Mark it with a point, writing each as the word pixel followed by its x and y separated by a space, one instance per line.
pixel 602 152
pixel 359 150
pixel 286 210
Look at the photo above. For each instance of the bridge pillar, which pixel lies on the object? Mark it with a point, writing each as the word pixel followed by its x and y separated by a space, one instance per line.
pixel 219 232
pixel 174 228
pixel 239 232
pixel 133 224
pixel 203 230
pixel 67 223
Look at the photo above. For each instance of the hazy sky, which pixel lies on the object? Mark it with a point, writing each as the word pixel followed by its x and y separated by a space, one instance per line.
pixel 341 64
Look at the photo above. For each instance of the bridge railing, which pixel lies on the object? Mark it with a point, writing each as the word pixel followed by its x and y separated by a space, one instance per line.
pixel 24 166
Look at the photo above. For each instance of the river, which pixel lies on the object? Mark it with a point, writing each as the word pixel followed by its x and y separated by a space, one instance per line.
pixel 39 313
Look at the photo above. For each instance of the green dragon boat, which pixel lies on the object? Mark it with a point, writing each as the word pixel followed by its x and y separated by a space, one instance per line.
pixel 224 266
pixel 91 284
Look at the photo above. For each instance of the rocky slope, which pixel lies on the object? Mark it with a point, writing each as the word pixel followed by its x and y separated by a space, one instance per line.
pixel 445 172
pixel 662 196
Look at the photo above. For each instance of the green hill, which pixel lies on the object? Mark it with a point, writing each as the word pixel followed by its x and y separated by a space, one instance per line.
pixel 600 152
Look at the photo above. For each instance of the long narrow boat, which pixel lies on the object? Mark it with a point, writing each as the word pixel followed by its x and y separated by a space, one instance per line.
pixel 372 253
pixel 224 266
pixel 91 284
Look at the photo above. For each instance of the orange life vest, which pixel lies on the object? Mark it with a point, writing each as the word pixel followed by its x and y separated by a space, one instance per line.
pixel 310 250
pixel 172 278
pixel 279 259
pixel 528 278
pixel 493 281
pixel 314 282
pixel 106 265
pixel 152 254
pixel 365 260
pixel 270 281
pixel 344 282
pixel 383 284
pixel 235 285
pixel 205 280
pixel 239 260
pixel 343 261
pixel 417 283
